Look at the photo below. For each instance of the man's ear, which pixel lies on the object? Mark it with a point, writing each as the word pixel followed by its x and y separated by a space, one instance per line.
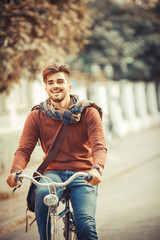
pixel 70 87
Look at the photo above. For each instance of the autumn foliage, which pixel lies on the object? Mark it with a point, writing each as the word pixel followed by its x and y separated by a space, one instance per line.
pixel 37 32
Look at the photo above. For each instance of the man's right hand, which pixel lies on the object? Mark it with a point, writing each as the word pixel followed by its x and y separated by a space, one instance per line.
pixel 11 180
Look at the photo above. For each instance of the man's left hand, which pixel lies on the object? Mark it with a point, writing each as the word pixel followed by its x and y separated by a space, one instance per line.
pixel 96 177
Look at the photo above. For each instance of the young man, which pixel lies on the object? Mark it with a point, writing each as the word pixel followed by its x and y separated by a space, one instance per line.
pixel 83 149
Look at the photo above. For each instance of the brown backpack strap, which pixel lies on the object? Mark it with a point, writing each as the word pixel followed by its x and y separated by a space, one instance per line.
pixel 55 148
pixel 27 220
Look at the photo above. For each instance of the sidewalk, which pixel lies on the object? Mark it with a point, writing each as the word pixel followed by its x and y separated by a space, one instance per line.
pixel 124 155
pixel 130 152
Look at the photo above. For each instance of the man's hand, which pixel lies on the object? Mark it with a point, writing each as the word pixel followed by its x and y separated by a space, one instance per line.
pixel 11 180
pixel 96 177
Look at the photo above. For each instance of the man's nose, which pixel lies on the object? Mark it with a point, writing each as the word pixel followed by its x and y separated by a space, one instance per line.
pixel 55 85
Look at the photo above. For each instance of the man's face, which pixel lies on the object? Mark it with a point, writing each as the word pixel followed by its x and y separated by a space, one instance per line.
pixel 57 87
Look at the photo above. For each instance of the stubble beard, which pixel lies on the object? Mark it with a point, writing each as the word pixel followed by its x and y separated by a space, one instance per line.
pixel 58 99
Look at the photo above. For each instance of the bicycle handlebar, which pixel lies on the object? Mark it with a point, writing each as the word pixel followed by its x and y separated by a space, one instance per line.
pixel 20 176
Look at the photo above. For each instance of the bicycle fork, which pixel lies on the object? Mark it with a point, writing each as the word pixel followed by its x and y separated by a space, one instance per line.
pixel 53 223
pixel 67 225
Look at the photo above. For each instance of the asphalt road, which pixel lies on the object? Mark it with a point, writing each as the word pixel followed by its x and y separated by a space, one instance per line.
pixel 129 196
pixel 129 206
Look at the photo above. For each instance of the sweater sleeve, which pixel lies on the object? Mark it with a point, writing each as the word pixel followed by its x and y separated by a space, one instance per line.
pixel 96 137
pixel 27 143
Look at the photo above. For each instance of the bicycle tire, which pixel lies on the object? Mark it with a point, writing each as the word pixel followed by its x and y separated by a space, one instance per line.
pixel 69 231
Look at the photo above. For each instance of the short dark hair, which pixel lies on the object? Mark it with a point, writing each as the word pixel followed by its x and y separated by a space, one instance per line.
pixel 56 67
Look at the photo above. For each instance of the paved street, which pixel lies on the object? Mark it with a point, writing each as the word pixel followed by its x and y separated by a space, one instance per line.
pixel 129 196
pixel 130 204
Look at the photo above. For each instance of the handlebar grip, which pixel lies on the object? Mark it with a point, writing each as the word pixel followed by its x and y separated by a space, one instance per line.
pixel 17 178
pixel 89 177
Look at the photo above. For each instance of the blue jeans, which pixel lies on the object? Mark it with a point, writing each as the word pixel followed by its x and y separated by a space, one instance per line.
pixel 83 198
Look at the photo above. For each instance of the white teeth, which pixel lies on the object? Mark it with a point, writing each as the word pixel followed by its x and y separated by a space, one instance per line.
pixel 55 91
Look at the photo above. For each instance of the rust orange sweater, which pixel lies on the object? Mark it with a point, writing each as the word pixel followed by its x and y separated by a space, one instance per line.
pixel 83 146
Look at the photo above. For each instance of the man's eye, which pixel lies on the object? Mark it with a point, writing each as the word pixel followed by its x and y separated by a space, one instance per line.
pixel 60 81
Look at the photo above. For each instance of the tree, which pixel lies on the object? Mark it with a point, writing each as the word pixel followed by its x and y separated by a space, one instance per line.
pixel 126 36
pixel 37 32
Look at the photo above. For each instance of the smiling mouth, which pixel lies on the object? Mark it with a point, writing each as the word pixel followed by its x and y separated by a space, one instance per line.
pixel 55 91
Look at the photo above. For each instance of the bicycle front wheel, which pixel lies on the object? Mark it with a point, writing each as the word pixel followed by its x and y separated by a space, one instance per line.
pixel 69 231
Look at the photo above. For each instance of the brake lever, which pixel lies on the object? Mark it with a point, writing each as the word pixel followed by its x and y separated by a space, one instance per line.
pixel 15 188
pixel 18 180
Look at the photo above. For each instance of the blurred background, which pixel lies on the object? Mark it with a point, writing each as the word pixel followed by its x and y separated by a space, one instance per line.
pixel 113 49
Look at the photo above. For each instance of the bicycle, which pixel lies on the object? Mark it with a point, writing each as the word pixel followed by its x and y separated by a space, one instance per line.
pixel 52 201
